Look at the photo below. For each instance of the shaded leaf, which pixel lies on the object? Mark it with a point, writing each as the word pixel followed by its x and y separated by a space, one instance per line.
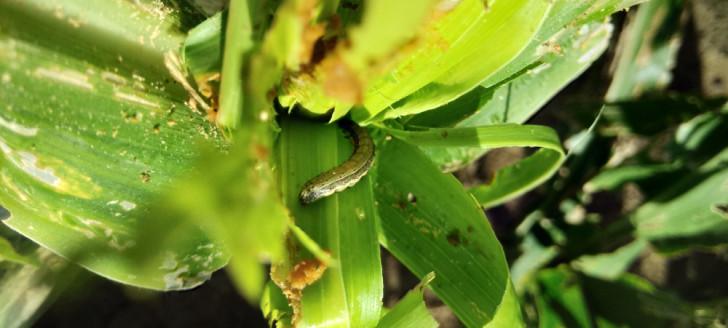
pixel 690 212
pixel 275 308
pixel 633 302
pixel 613 178
pixel 8 253
pixel 534 256
pixel 561 301
pixel 612 265
pixel 25 291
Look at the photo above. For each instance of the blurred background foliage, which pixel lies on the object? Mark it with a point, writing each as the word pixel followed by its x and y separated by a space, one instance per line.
pixel 631 232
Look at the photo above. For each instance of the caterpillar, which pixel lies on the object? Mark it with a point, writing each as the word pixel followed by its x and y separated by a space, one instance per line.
pixel 348 173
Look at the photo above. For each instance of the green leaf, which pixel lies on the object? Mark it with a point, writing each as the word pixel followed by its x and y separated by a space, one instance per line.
pixel 493 136
pixel 512 180
pixel 649 46
pixel 350 291
pixel 509 311
pixel 613 178
pixel 127 36
pixel 565 15
pixel 463 65
pixel 386 25
pixel 202 50
pixel 430 223
pixel 8 253
pixel 632 301
pixel 90 139
pixel 453 112
pixel 533 257
pixel 692 212
pixel 516 101
pixel 228 202
pixel 564 298
pixel 238 42
pixel 561 16
pixel 274 306
pixel 561 301
pixel 702 137
pixel 612 265
pixel 603 8
pixel 426 62
pixel 411 311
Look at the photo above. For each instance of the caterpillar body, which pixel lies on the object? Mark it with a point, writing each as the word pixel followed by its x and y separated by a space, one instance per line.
pixel 348 173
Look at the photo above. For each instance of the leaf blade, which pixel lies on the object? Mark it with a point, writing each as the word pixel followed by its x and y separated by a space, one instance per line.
pixel 349 292
pixel 434 225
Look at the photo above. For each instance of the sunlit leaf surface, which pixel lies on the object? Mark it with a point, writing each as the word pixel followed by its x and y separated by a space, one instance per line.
pixel 510 181
pixel 349 293
pixel 431 224
pixel 91 133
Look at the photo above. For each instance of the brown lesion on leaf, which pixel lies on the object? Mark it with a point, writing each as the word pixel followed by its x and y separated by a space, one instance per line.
pixel 313 32
pixel 341 81
pixel 209 88
pixel 487 4
pixel 402 201
pixel 145 176
pixel 303 274
pixel 260 151
pixel 551 46
pixel 311 36
pixel 325 61
pixel 325 56
pixel 132 117
pixel 453 237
